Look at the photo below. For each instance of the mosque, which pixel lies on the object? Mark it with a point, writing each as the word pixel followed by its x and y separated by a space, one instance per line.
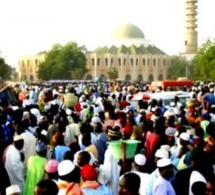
pixel 131 55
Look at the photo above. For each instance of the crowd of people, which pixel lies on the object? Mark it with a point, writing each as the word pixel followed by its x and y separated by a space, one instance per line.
pixel 48 147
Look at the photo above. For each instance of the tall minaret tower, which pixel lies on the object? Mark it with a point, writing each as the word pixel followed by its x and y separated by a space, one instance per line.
pixel 191 38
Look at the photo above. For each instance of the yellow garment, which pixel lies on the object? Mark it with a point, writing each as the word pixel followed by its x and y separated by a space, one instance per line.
pixel 181 164
pixel 92 149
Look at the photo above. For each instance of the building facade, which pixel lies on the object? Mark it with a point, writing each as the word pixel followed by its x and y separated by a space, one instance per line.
pixel 131 55
pixel 28 67
pixel 128 52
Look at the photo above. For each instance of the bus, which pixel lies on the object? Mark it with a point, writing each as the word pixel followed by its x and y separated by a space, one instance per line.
pixel 170 85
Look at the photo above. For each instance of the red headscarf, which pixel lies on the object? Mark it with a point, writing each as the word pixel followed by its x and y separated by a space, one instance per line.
pixel 88 172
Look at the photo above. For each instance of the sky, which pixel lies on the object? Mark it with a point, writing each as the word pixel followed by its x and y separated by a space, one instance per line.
pixel 30 26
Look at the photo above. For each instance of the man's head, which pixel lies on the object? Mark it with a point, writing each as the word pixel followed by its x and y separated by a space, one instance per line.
pixel 83 158
pixel 18 142
pixel 165 168
pixel 67 171
pixel 129 184
pixel 46 187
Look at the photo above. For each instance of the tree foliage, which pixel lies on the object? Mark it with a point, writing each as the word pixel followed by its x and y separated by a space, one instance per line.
pixel 63 62
pixel 5 70
pixel 202 66
pixel 178 67
pixel 112 73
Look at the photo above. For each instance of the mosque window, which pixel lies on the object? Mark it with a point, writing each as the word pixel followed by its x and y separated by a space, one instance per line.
pixel 93 62
pixel 119 61
pixel 132 62
pixel 154 62
pixel 144 62
pixel 106 61
pixel 22 63
pixel 36 61
pixel 111 61
pixel 28 62
pixel 137 62
pixel 98 61
pixel 124 62
pixel 164 62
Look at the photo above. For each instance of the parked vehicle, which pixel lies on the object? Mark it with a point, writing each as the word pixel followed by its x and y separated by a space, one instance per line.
pixel 167 97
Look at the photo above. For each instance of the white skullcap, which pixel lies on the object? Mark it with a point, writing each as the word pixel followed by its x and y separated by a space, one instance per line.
pixel 65 167
pixel 140 159
pixel 95 120
pixel 172 104
pixel 153 109
pixel 17 138
pixel 44 132
pixel 160 153
pixel 68 112
pixel 165 147
pixel 14 108
pixel 12 189
pixel 164 162
pixel 185 136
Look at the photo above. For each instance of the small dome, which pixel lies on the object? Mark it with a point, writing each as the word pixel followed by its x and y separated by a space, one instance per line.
pixel 128 31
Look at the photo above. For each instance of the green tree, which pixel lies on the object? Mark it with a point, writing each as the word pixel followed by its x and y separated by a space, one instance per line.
pixel 5 69
pixel 177 68
pixel 112 73
pixel 63 62
pixel 202 66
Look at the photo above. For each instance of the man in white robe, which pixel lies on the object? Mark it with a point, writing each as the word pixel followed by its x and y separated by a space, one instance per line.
pixel 13 163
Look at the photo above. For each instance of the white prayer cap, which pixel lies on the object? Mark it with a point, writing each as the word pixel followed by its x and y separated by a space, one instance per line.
pixel 153 109
pixel 95 120
pixel 13 189
pixel 185 136
pixel 65 167
pixel 44 132
pixel 172 104
pixel 160 153
pixel 140 159
pixel 14 108
pixel 164 162
pixel 17 138
pixel 165 147
pixel 68 112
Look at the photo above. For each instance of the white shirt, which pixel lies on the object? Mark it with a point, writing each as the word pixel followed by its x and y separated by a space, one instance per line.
pixel 14 166
pixel 109 172
pixel 72 130
pixel 162 186
pixel 29 148
pixel 144 179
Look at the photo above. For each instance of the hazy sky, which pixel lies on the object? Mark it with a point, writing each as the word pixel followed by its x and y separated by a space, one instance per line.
pixel 30 26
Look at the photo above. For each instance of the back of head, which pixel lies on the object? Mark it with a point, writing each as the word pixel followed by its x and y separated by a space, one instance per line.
pixel 47 187
pixel 131 181
pixel 198 188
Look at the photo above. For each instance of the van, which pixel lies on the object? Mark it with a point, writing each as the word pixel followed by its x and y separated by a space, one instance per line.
pixel 167 97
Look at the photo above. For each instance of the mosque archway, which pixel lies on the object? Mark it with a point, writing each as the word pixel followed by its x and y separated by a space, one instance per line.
pixel 31 77
pixel 127 77
pixel 140 77
pixel 160 78
pixel 151 77
pixel 25 77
